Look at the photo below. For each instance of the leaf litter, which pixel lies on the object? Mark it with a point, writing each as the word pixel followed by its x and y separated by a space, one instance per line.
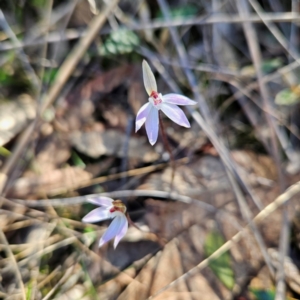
pixel 91 134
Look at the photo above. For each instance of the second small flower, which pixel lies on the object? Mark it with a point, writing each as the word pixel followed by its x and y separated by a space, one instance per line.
pixel 109 209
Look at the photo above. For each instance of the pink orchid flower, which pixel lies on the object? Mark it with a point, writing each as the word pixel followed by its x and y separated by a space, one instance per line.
pixel 168 104
pixel 110 210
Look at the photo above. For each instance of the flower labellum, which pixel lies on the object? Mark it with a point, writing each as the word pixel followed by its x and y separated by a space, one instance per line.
pixel 168 104
pixel 109 209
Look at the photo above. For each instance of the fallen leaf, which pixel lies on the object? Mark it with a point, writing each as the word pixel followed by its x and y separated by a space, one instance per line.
pixel 44 160
pixel 108 81
pixel 14 115
pixel 112 142
pixel 39 185
pixel 288 97
pixel 220 266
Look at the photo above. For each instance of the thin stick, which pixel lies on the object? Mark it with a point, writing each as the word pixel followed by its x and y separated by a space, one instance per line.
pixel 115 194
pixel 71 34
pixel 102 179
pixel 66 275
pixel 132 223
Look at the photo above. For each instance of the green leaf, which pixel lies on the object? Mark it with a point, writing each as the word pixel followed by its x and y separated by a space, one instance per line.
pixel 29 289
pixel 39 3
pixel 267 66
pixel 78 162
pixel 120 42
pixel 182 11
pixel 262 294
pixel 270 65
pixel 49 75
pixel 90 235
pixel 287 97
pixel 221 266
pixel 4 152
pixel 49 114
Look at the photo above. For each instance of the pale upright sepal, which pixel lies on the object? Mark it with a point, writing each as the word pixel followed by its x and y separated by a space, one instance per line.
pixel 149 79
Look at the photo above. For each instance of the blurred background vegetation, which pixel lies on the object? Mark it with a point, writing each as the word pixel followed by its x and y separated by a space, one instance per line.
pixel 70 87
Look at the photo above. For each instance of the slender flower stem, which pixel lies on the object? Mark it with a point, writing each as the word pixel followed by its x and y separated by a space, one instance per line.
pixel 130 222
pixel 168 148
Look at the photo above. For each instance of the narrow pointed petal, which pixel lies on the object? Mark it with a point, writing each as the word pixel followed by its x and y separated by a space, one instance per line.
pixel 175 114
pixel 152 125
pixel 112 231
pixel 142 116
pixel 97 215
pixel 101 201
pixel 149 79
pixel 123 230
pixel 178 99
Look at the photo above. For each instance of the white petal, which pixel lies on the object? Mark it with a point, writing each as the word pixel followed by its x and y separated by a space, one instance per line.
pixel 97 215
pixel 152 125
pixel 178 99
pixel 112 231
pixel 175 114
pixel 149 79
pixel 101 201
pixel 123 230
pixel 142 115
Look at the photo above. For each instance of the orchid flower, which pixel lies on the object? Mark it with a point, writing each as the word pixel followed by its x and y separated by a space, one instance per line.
pixel 109 209
pixel 168 104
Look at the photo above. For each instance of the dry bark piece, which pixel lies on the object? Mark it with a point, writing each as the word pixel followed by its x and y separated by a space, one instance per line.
pixel 255 168
pixel 39 185
pixel 79 106
pixel 108 81
pixel 207 174
pixel 199 176
pixel 45 161
pixel 81 15
pixel 136 95
pixel 111 142
pixel 14 115
pixel 77 291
